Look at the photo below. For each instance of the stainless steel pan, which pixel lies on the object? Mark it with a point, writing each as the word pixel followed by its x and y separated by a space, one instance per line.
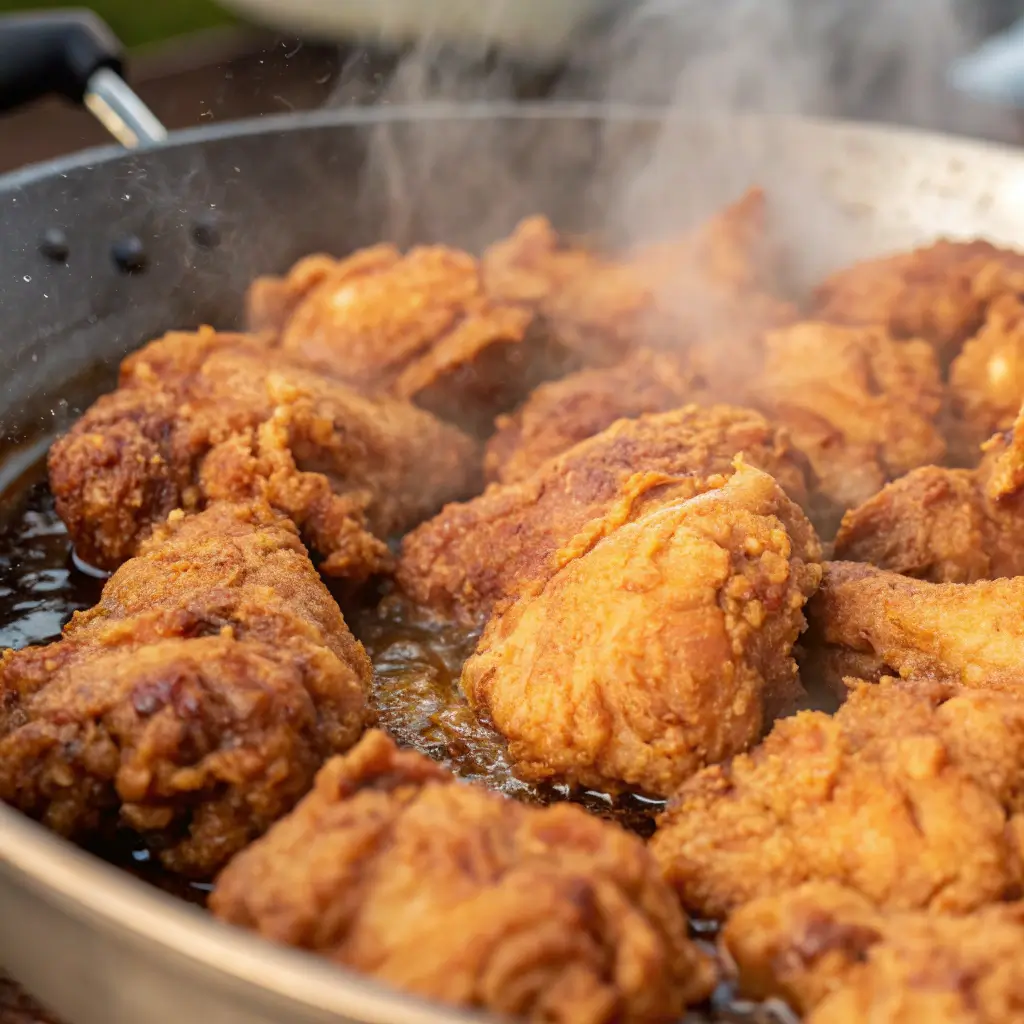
pixel 106 250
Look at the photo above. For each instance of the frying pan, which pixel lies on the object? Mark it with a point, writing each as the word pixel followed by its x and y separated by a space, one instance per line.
pixel 107 249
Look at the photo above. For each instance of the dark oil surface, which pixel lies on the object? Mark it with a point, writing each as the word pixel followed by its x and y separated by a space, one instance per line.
pixel 417 663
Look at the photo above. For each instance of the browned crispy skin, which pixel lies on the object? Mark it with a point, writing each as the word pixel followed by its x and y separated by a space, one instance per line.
pixel 195 702
pixel 564 412
pixel 971 634
pixel 939 293
pixel 660 646
pixel 715 282
pixel 910 794
pixel 837 959
pixel 417 326
pixel 460 895
pixel 861 406
pixel 204 417
pixel 472 554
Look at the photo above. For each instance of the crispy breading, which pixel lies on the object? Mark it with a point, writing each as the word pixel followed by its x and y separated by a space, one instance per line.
pixel 206 416
pixel 471 555
pixel 661 645
pixel 910 794
pixel 837 959
pixel 461 895
pixel 194 703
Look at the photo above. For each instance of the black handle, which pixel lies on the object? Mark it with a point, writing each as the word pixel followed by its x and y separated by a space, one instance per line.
pixel 55 52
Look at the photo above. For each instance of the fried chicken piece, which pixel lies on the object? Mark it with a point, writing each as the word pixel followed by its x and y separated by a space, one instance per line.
pixel 986 380
pixel 910 794
pixel 463 896
pixel 192 705
pixel 859 405
pixel 204 417
pixel 939 293
pixel 968 633
pixel 718 280
pixel 564 412
pixel 680 628
pixel 946 525
pixel 417 326
pixel 471 555
pixel 834 957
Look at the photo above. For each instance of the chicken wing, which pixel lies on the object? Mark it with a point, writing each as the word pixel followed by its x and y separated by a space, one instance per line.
pixel 416 326
pixel 205 417
pixel 939 293
pixel 660 645
pixel 910 794
pixel 471 555
pixel 192 705
pixel 460 895
pixel 860 406
pixel 888 624
pixel 835 958
pixel 564 412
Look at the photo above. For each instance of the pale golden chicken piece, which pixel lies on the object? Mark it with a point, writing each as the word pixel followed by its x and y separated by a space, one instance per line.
pixel 837 959
pixel 195 702
pixel 910 794
pixel 946 525
pixel 472 555
pixel 564 412
pixel 207 416
pixel 416 326
pixel 939 293
pixel 717 281
pixel 986 380
pixel 661 645
pixel 457 894
pixel 861 406
pixel 887 624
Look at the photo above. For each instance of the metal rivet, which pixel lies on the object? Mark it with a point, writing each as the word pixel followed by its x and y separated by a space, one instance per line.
pixel 129 254
pixel 206 231
pixel 54 245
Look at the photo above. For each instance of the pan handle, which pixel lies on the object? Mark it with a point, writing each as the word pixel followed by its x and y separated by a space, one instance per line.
pixel 72 53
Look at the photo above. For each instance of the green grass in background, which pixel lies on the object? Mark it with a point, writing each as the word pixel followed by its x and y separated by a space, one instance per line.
pixel 137 22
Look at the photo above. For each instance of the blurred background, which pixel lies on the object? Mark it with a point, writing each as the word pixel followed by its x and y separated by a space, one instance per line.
pixel 953 65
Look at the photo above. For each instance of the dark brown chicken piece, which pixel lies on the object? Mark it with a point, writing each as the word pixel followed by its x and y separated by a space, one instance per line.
pixel 204 417
pixel 835 958
pixel 715 282
pixel 463 896
pixel 910 794
pixel 564 412
pixel 884 623
pixel 860 406
pixel 192 705
pixel 946 525
pixel 417 326
pixel 661 645
pixel 471 555
pixel 939 293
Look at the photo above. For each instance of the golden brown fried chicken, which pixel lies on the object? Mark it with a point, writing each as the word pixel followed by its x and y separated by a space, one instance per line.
pixel 884 623
pixel 192 705
pixel 460 895
pixel 939 293
pixel 716 281
pixel 859 405
pixel 661 645
pixel 946 525
pixel 564 412
pixel 204 417
pixel 911 794
pixel 471 555
pixel 417 326
pixel 836 958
